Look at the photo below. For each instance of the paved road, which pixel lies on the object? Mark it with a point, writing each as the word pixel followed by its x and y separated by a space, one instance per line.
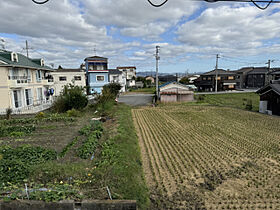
pixel 136 99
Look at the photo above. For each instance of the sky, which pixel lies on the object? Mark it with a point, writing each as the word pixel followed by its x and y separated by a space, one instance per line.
pixel 189 33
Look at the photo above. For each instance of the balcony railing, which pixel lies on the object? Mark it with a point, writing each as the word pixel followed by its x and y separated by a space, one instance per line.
pixel 19 77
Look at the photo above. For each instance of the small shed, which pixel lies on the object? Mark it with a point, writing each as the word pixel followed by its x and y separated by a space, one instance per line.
pixel 270 98
pixel 175 92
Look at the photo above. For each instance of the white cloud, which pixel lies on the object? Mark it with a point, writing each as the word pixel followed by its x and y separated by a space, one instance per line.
pixel 138 18
pixel 231 29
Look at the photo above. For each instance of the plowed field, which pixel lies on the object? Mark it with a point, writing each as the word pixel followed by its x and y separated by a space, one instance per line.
pixel 206 157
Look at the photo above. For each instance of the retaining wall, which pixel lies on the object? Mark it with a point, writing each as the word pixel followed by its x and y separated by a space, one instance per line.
pixel 70 205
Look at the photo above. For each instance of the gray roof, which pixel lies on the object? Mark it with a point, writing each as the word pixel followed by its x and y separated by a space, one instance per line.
pixel 259 70
pixel 220 72
pixel 275 86
pixel 69 70
pixel 97 58
pixel 114 71
pixel 23 61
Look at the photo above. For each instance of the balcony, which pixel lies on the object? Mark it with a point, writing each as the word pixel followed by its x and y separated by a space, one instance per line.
pixel 18 81
pixel 47 82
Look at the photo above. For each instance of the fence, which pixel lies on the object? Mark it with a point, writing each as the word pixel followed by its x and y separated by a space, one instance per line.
pixel 37 106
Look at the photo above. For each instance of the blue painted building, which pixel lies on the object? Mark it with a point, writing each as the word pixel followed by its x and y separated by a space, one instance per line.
pixel 97 73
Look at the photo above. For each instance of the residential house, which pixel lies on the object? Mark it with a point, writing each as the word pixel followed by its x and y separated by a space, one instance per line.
pixel 129 73
pixel 97 73
pixel 175 92
pixel 274 74
pixel 256 77
pixel 116 76
pixel 241 77
pixel 270 98
pixel 226 80
pixel 26 85
pixel 64 77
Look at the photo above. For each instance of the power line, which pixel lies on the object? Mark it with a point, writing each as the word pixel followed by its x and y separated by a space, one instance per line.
pixel 157 5
pixel 255 2
pixel 40 2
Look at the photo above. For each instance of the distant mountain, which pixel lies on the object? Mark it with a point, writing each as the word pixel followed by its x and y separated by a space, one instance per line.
pixel 153 74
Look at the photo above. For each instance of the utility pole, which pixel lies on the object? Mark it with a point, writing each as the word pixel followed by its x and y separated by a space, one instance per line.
pixel 27 54
pixel 267 75
pixel 216 85
pixel 27 48
pixel 2 43
pixel 157 59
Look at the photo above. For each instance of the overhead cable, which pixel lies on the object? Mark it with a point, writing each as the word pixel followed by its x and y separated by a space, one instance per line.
pixel 255 2
pixel 157 5
pixel 262 8
pixel 40 2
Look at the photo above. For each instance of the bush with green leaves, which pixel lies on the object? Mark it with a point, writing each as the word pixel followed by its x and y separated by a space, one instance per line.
pixel 72 97
pixel 93 132
pixel 15 163
pixel 106 100
pixel 10 130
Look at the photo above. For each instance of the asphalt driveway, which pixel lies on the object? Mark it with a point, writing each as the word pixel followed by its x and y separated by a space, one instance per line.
pixel 136 99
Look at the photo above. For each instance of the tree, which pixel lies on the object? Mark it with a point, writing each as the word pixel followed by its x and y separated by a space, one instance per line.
pixel 184 80
pixel 72 97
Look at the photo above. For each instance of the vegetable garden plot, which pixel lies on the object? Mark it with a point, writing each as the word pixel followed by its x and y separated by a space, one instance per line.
pixel 224 157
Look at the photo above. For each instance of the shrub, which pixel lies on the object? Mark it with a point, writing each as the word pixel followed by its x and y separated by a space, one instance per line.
pixel 106 99
pixel 40 115
pixel 200 97
pixel 249 105
pixel 9 113
pixel 72 97
pixel 73 113
pixel 6 131
pixel 15 165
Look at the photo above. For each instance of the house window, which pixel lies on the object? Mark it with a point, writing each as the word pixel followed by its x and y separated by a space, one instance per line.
pixel 231 77
pixel 17 98
pixel 100 78
pixel 100 67
pixel 231 86
pixel 218 78
pixel 204 78
pixel 209 78
pixel 78 78
pixel 39 94
pixel 62 79
pixel 38 76
pixel 28 97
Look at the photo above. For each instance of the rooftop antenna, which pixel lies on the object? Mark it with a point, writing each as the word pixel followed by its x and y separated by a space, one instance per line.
pixel 94 50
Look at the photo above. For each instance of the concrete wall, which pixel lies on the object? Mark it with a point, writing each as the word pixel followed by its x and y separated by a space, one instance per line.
pixel 168 98
pixel 69 205
pixel 176 98
pixel 4 90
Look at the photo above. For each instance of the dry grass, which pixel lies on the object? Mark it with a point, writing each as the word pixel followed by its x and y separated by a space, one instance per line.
pixel 210 157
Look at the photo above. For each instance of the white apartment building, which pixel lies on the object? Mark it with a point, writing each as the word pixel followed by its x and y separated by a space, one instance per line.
pixel 116 76
pixel 64 77
pixel 129 73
